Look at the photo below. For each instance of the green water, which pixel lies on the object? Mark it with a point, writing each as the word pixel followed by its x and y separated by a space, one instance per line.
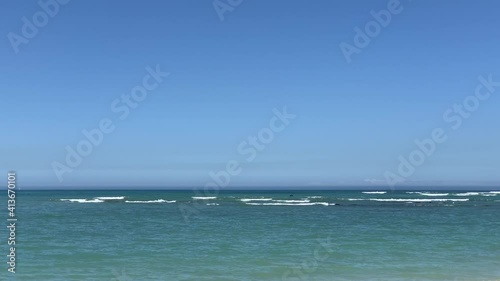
pixel 313 235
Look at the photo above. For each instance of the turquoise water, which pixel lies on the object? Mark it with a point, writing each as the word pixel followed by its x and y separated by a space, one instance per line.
pixel 312 235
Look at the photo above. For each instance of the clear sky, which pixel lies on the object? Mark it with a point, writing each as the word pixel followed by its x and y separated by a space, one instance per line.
pixel 353 120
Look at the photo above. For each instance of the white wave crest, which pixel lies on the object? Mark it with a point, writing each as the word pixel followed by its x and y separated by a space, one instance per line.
pixel 432 194
pixel 292 204
pixel 292 201
pixel 407 200
pixel 467 194
pixel 488 194
pixel 375 192
pixel 255 199
pixel 419 200
pixel 151 201
pixel 203 198
pixel 83 200
pixel 110 198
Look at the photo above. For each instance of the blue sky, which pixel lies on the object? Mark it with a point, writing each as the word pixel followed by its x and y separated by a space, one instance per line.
pixel 353 120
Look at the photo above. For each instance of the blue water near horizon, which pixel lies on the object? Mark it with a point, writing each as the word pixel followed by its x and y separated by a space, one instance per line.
pixel 256 235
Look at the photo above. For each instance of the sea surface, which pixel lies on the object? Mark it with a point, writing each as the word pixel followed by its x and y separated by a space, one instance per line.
pixel 255 235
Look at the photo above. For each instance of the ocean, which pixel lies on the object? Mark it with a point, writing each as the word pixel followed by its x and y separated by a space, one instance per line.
pixel 255 235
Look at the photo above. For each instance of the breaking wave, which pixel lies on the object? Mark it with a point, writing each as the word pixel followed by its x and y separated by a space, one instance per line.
pixel 83 200
pixel 374 192
pixel 151 201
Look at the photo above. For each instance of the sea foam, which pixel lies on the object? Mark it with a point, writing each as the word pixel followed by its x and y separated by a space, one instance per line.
pixel 432 194
pixel 83 200
pixel 467 194
pixel 110 198
pixel 292 201
pixel 255 199
pixel 151 201
pixel 407 200
pixel 291 204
